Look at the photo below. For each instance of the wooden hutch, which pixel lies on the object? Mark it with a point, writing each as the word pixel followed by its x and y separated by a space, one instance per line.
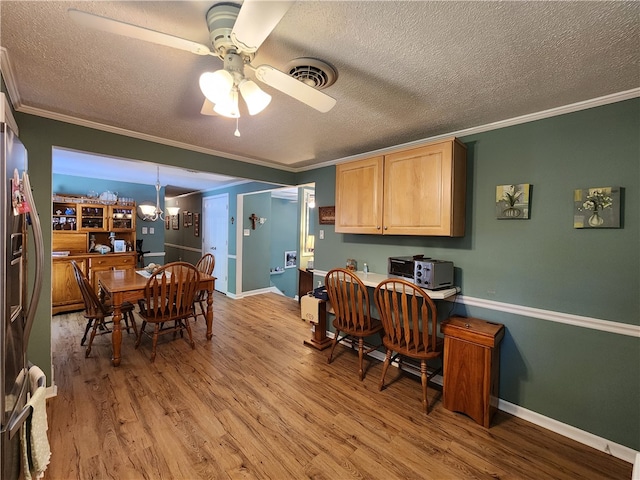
pixel 78 225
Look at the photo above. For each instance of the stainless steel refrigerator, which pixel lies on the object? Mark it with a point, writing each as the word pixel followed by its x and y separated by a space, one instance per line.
pixel 18 294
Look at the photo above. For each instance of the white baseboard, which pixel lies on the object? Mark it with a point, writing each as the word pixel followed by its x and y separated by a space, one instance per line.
pixel 619 451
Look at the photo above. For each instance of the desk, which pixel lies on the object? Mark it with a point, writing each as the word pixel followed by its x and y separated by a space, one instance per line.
pixel 128 286
pixel 373 279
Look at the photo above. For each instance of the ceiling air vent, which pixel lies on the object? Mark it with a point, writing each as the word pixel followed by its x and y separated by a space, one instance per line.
pixel 313 72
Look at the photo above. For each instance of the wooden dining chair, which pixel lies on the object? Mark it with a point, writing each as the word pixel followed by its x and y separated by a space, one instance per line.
pixel 349 299
pixel 168 302
pixel 410 321
pixel 97 312
pixel 205 265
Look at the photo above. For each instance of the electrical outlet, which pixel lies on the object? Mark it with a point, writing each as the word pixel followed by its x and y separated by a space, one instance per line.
pixel 247 232
pixel 144 230
pixel 152 230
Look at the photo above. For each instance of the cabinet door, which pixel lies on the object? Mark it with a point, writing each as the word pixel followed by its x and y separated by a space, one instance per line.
pixel 64 216
pixel 359 196
pixel 122 219
pixel 64 288
pixel 93 218
pixel 421 196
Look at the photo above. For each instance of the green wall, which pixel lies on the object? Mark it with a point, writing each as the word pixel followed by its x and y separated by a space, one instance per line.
pixel 256 246
pixel 580 376
pixel 284 238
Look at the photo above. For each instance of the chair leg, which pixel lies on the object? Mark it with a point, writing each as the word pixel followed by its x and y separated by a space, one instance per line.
pixel 188 327
pixel 139 339
pixel 333 345
pixel 96 323
pixel 387 361
pixel 423 376
pixel 361 357
pixel 156 331
pixel 203 310
pixel 133 323
pixel 86 331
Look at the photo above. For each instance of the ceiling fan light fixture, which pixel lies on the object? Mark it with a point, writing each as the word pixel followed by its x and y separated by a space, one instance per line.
pixel 216 86
pixel 228 106
pixel 255 98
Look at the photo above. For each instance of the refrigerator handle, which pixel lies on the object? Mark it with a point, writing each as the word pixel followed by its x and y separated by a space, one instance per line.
pixel 39 260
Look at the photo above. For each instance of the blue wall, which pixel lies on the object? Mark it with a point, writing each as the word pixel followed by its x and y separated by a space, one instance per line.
pixel 577 375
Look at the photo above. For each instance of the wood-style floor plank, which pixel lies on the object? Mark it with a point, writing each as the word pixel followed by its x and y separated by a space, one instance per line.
pixel 255 403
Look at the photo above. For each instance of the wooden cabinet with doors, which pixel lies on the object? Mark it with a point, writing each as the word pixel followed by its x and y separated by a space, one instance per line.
pixel 418 191
pixel 65 294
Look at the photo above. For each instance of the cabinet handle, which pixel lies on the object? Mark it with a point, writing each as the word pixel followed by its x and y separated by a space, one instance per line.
pixel 378 227
pixel 386 228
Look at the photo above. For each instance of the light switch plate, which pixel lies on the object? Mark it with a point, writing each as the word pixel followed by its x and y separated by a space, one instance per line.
pixel 144 230
pixel 247 232
pixel 321 234
pixel 152 230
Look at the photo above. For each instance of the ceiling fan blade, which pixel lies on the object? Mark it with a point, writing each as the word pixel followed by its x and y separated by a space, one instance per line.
pixel 295 88
pixel 207 108
pixel 256 20
pixel 133 31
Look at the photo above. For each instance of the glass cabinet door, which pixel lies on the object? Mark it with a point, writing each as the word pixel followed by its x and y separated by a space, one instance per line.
pixel 122 218
pixel 64 216
pixel 93 217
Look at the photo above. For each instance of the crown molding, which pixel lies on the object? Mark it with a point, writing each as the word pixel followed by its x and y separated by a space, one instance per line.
pixel 9 76
pixel 530 117
pixel 143 136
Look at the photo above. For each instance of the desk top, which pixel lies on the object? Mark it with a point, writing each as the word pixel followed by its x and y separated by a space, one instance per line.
pixel 373 279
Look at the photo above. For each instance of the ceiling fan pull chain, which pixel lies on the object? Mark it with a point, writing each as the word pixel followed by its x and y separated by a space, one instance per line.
pixel 237 132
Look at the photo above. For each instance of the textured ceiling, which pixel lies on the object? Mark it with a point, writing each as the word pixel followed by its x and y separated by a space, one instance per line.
pixel 406 70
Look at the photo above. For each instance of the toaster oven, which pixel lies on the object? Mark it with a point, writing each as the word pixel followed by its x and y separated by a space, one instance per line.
pixel 424 272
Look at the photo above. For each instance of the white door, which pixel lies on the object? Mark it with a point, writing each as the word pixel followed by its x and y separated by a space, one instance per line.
pixel 215 235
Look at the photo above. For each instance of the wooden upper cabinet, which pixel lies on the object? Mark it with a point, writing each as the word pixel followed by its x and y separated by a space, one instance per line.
pixel 420 191
pixel 359 188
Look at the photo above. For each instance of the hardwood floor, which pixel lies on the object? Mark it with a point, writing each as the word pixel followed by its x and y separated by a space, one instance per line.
pixel 255 403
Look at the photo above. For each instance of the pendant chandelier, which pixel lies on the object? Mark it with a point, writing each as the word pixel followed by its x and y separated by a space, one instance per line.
pixel 149 212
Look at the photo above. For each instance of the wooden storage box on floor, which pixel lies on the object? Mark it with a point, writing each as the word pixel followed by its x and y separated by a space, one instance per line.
pixel 472 367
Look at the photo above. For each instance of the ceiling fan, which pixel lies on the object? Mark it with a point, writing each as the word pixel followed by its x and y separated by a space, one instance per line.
pixel 236 32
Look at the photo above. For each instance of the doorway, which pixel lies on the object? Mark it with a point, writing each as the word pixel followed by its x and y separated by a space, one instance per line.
pixel 215 234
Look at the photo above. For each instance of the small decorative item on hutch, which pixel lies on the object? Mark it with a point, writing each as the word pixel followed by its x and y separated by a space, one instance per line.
pixel 597 207
pixel 512 202
pixel 175 221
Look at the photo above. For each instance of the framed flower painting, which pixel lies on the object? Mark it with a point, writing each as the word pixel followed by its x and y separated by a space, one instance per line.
pixel 512 201
pixel 596 207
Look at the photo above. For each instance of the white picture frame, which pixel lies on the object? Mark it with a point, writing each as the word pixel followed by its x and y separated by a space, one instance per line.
pixel 119 246
pixel 290 259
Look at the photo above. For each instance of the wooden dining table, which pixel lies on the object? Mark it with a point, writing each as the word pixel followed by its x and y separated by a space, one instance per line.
pixel 128 286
